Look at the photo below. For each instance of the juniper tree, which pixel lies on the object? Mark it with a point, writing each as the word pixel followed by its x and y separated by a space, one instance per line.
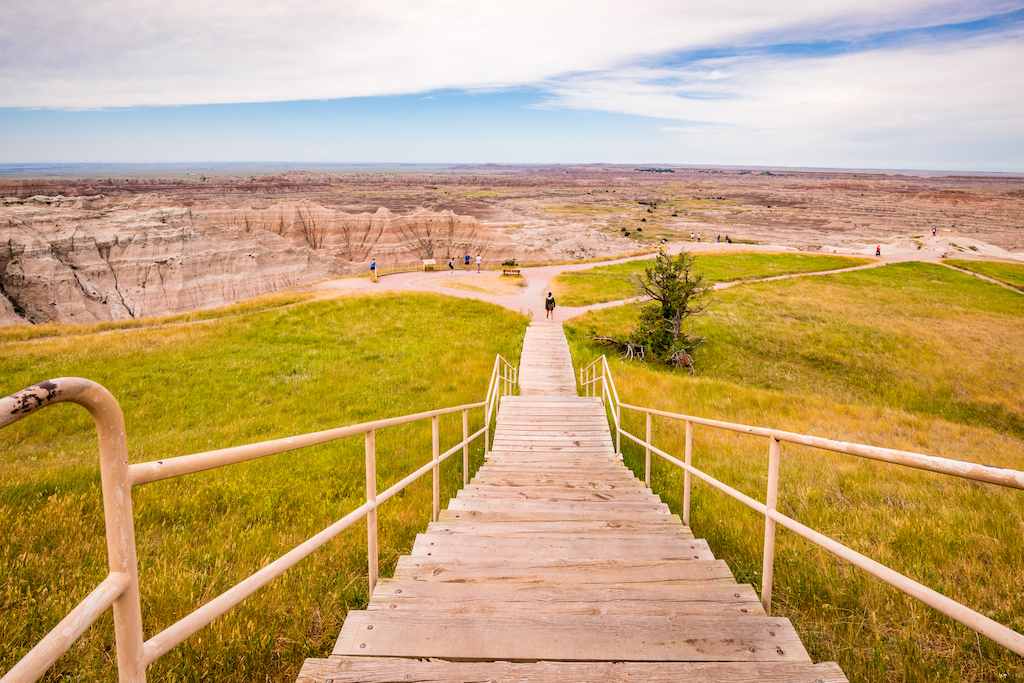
pixel 673 293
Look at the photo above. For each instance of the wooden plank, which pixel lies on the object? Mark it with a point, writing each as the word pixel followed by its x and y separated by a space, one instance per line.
pixel 511 485
pixel 552 493
pixel 572 637
pixel 549 531
pixel 580 484
pixel 536 506
pixel 583 446
pixel 526 472
pixel 541 467
pixel 570 478
pixel 552 516
pixel 717 599
pixel 338 669
pixel 575 460
pixel 593 546
pixel 582 572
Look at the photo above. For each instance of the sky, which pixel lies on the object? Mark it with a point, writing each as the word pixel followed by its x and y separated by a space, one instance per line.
pixel 910 84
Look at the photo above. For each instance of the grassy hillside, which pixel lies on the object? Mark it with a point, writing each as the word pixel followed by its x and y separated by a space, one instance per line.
pixel 246 376
pixel 613 283
pixel 1008 273
pixel 910 356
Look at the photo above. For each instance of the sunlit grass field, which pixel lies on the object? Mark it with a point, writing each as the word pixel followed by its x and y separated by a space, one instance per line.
pixel 911 356
pixel 614 283
pixel 253 375
pixel 260 303
pixel 1008 273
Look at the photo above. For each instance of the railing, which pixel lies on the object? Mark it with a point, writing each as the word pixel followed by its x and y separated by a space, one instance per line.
pixel 120 589
pixel 598 373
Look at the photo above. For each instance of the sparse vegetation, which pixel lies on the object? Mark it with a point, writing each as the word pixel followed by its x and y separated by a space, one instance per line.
pixel 190 388
pixel 864 357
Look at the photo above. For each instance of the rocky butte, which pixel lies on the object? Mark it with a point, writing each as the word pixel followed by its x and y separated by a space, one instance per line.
pixel 93 258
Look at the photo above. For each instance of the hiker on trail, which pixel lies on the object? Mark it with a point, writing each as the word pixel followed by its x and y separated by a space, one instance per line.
pixel 933 232
pixel 451 266
pixel 467 260
pixel 728 240
pixel 478 263
pixel 698 237
pixel 692 236
pixel 719 239
pixel 878 250
pixel 549 306
pixel 373 270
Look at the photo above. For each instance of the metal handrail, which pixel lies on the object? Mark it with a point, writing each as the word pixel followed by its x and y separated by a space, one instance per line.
pixel 120 589
pixel 1007 637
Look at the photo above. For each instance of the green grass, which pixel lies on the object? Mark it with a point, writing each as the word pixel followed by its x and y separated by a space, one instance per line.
pixel 236 380
pixel 48 330
pixel 1008 273
pixel 613 283
pixel 911 356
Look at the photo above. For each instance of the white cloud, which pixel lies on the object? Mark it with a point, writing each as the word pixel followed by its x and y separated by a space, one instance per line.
pixel 113 53
pixel 962 102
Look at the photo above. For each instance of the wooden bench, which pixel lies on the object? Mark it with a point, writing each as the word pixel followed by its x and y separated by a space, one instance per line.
pixel 510 271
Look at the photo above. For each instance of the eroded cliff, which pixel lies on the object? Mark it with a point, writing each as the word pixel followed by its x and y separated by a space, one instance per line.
pixel 91 259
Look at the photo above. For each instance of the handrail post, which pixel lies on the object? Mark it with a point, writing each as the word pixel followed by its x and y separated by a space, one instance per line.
pixel 120 527
pixel 771 500
pixel 465 447
pixel 487 430
pixel 618 430
pixel 436 439
pixel 686 474
pixel 647 454
pixel 371 516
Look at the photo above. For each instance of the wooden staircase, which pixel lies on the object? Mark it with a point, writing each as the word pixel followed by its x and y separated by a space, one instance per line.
pixel 556 564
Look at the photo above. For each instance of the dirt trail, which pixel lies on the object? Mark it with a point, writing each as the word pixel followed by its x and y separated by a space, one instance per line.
pixel 530 300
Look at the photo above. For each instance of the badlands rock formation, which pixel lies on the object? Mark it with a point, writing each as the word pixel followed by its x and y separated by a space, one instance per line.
pixel 352 240
pixel 90 259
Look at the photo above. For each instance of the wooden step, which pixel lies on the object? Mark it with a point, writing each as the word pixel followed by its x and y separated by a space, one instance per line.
pixel 485 598
pixel 553 516
pixel 338 669
pixel 559 529
pixel 591 546
pixel 564 570
pixel 537 506
pixel 569 637
pixel 553 493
